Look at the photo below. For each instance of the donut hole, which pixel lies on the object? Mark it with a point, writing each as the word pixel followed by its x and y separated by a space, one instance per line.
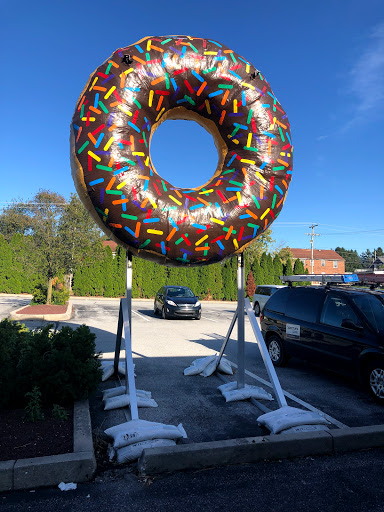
pixel 184 153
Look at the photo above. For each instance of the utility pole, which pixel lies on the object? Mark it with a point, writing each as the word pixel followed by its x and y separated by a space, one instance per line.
pixel 312 234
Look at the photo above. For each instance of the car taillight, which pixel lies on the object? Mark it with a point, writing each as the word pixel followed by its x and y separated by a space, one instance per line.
pixel 261 316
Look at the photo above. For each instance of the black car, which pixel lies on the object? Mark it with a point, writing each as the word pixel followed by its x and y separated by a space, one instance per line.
pixel 337 328
pixel 177 302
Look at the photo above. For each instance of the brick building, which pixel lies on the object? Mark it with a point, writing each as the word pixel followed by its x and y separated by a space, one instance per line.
pixel 325 261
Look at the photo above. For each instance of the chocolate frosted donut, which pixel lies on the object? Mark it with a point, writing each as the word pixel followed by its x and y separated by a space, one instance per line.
pixel 180 77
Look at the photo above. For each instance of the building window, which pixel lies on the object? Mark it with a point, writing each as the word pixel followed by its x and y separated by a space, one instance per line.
pixel 323 263
pixel 335 264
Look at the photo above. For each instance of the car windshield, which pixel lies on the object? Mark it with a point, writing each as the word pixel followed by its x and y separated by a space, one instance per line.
pixel 373 309
pixel 179 292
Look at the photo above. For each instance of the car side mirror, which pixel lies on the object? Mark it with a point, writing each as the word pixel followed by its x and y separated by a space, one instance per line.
pixel 197 297
pixel 348 324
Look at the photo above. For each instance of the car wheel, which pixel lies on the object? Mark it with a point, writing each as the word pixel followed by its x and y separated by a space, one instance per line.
pixel 257 309
pixel 164 315
pixel 276 351
pixel 375 380
pixel 198 316
pixel 155 310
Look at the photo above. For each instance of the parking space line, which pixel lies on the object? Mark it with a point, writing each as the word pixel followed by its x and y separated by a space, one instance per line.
pixel 141 316
pixel 296 399
pixel 210 319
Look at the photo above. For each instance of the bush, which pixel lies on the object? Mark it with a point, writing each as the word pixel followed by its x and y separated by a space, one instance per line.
pixel 39 294
pixel 61 364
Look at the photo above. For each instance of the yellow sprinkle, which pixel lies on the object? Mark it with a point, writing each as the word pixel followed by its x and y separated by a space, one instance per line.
pixel 252 162
pixel 150 98
pixel 97 158
pixel 235 243
pixel 247 68
pixel 108 143
pixel 208 107
pixel 138 153
pixel 124 110
pixel 248 85
pixel 210 53
pixel 265 213
pixel 235 106
pixel 160 113
pixel 93 83
pixel 249 139
pixel 90 119
pixel 148 45
pixel 109 92
pixel 217 221
pixel 206 191
pixel 154 232
pixel 201 240
pixel 147 161
pixel 238 197
pixel 175 200
pixel 126 72
pixel 153 203
pixel 121 185
pixel 261 177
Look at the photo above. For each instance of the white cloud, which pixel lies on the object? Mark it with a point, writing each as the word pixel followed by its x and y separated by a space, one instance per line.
pixel 367 76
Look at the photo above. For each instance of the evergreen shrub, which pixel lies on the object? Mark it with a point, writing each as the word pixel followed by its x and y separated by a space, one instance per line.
pixel 61 364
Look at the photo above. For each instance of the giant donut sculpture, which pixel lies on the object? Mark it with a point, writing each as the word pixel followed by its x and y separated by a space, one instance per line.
pixel 180 77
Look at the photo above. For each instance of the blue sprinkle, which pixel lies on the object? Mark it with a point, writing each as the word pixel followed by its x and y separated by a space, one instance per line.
pixel 220 244
pixel 196 75
pixel 130 231
pixel 199 226
pixel 96 182
pixel 216 93
pixel 139 48
pixel 279 189
pixel 163 250
pixel 234 74
pixel 194 207
pixel 214 42
pixel 133 126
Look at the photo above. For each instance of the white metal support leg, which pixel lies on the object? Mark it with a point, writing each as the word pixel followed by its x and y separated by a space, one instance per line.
pixel 240 323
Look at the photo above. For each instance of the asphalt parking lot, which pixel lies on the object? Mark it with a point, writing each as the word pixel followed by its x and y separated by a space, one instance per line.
pixel 163 348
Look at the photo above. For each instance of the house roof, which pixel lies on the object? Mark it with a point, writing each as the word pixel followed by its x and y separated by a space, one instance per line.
pixel 318 254
pixel 111 244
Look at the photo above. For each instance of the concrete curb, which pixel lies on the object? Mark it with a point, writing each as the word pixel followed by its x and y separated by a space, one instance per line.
pixel 49 318
pixel 77 466
pixel 253 449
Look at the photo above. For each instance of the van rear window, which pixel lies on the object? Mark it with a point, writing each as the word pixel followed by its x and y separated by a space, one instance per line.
pixel 278 301
pixel 305 303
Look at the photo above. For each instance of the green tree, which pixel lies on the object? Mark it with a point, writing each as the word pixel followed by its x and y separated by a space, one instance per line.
pixel 278 269
pixel 5 265
pixel 352 259
pixel 229 278
pixel 107 272
pixel 298 267
pixel 288 267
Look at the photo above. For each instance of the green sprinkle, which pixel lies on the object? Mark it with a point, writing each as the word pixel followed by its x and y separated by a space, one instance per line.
pixel 235 130
pixel 253 225
pixel 82 110
pixel 164 187
pixel 83 146
pixel 131 217
pixel 249 116
pixel 188 98
pixel 179 241
pixel 229 171
pixel 209 70
pixel 273 201
pixel 256 201
pixel 193 48
pixel 166 41
pixel 281 135
pixel 145 140
pixel 114 192
pixel 236 183
pixel 225 86
pixel 144 244
pixel 233 230
pixel 126 160
pixel 101 212
pixel 103 107
pixel 148 56
pixel 167 84
pixel 233 58
pixel 249 148
pixel 278 168
pixel 136 103
pixel 108 68
pixel 104 168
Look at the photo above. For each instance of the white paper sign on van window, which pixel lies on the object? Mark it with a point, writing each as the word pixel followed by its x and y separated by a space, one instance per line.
pixel 292 331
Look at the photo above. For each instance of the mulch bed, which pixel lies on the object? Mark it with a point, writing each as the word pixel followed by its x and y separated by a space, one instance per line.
pixel 43 309
pixel 20 439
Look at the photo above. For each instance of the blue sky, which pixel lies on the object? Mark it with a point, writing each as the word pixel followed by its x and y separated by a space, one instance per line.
pixel 324 61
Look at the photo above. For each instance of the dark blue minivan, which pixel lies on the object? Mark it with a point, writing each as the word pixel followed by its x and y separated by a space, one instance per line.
pixel 339 328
